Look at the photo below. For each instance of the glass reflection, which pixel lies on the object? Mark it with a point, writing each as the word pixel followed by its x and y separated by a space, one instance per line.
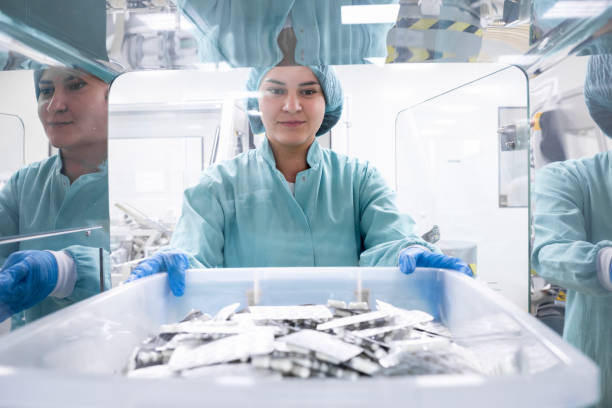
pixel 573 227
pixel 462 165
pixel 290 201
pixel 266 32
pixel 445 31
pixel 68 190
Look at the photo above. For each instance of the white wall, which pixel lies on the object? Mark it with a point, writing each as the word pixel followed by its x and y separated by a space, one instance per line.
pixel 377 93
pixel 18 98
pixel 444 195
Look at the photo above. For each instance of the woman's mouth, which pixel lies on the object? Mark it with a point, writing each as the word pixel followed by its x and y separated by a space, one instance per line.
pixel 292 123
pixel 59 123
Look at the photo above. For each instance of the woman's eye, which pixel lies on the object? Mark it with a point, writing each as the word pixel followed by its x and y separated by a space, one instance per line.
pixel 46 92
pixel 275 91
pixel 309 92
pixel 76 85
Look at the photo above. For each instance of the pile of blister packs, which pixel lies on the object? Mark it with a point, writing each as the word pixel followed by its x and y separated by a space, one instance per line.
pixel 337 340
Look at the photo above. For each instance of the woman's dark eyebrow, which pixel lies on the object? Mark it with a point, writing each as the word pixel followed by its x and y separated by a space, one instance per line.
pixel 70 78
pixel 282 83
pixel 275 81
pixel 45 82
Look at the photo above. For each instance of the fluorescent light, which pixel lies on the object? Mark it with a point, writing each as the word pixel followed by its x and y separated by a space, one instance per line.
pixel 369 14
pixel 576 9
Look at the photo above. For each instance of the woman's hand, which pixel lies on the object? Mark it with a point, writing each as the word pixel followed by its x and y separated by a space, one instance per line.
pixel 417 256
pixel 173 262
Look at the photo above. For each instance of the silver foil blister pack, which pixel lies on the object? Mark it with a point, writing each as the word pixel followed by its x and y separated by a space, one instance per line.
pixel 337 340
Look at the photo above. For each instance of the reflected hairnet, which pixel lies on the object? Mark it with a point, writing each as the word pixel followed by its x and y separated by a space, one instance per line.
pixel 598 91
pixel 332 90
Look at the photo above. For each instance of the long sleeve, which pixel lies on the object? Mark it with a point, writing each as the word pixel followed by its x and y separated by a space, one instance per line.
pixel 9 217
pixel 563 252
pixel 385 232
pixel 87 262
pixel 200 230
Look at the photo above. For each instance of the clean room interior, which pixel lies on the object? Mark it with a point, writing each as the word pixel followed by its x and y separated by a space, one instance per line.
pixel 460 105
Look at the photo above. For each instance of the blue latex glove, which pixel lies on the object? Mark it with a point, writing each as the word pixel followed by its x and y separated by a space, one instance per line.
pixel 26 278
pixel 413 257
pixel 175 263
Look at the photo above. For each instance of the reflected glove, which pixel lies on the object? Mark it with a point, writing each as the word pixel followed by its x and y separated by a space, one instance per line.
pixel 175 263
pixel 413 257
pixel 26 278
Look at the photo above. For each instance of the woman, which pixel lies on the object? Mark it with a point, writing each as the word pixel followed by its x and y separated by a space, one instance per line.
pixel 573 232
pixel 66 190
pixel 291 202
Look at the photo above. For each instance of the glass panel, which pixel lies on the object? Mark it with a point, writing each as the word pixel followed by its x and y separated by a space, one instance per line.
pixel 194 33
pixel 513 161
pixel 34 32
pixel 453 172
pixel 53 190
pixel 106 38
pixel 161 137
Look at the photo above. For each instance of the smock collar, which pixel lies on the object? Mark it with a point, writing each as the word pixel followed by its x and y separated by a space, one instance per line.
pixel 313 157
pixel 59 165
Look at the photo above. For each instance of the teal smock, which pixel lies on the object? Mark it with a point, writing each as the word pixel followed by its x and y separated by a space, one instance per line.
pixel 244 32
pixel 242 214
pixel 573 221
pixel 39 198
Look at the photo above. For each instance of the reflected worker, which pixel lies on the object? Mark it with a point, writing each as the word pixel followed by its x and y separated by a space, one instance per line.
pixel 291 202
pixel 573 232
pixel 260 33
pixel 66 190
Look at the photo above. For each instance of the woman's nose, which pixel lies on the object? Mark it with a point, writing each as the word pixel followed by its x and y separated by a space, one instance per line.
pixel 57 103
pixel 292 103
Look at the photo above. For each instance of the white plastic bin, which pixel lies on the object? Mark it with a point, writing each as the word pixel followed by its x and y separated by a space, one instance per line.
pixel 75 357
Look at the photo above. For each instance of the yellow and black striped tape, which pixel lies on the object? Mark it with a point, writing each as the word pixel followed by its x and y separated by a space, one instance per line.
pixel 561 296
pixel 436 24
pixel 414 54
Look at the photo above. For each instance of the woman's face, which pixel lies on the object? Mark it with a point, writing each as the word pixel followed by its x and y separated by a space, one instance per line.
pixel 72 107
pixel 292 105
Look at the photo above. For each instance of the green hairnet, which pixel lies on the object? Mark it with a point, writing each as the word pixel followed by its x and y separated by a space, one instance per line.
pixel 332 90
